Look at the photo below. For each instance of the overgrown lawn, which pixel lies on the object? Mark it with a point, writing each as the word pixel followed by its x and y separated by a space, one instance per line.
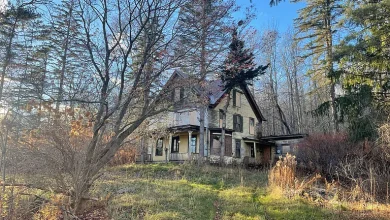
pixel 170 191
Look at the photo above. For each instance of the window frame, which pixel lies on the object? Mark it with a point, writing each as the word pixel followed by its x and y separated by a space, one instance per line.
pixel 162 147
pixel 236 118
pixel 220 121
pixel 284 148
pixel 251 120
pixel 235 93
pixel 173 150
pixel 178 94
pixel 196 142
pixel 237 152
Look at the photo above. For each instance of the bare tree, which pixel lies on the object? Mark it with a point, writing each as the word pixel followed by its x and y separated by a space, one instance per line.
pixel 99 103
pixel 125 97
pixel 292 64
pixel 270 49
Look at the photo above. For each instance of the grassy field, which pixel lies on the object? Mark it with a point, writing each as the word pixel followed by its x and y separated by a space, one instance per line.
pixel 169 191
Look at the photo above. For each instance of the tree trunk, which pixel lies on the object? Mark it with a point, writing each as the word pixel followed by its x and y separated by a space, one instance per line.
pixel 297 99
pixel 330 71
pixel 222 153
pixel 201 134
pixel 63 64
pixel 203 72
pixel 292 101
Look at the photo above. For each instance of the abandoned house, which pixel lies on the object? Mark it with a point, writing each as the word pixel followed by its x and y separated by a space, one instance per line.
pixel 243 139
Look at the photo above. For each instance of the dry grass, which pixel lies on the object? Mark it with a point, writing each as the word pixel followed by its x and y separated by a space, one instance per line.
pixel 284 183
pixel 168 191
pixel 284 172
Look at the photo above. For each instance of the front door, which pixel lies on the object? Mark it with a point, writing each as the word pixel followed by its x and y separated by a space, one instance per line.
pixel 175 144
pixel 266 155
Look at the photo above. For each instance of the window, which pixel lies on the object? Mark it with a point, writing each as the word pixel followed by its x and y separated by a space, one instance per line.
pixel 175 144
pixel 286 149
pixel 237 123
pixel 193 144
pixel 178 94
pixel 228 146
pixel 238 148
pixel 236 98
pixel 251 126
pixel 253 151
pixel 220 118
pixel 159 147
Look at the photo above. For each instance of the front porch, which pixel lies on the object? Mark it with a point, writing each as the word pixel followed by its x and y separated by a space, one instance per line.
pixel 183 143
pixel 257 152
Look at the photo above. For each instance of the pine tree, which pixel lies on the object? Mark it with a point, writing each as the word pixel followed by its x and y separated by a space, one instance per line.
pixel 11 22
pixel 238 68
pixel 68 56
pixel 363 58
pixel 317 22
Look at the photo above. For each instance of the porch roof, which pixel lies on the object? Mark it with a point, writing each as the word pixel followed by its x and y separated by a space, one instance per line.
pixel 257 140
pixel 184 128
pixel 283 137
pixel 220 129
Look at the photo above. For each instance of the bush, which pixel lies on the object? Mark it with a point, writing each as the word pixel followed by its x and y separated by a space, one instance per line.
pixel 126 155
pixel 321 153
pixel 363 168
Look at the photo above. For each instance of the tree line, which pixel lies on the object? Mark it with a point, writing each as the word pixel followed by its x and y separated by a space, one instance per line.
pixel 329 73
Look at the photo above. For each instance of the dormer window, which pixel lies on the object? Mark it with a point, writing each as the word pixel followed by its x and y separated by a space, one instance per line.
pixel 178 94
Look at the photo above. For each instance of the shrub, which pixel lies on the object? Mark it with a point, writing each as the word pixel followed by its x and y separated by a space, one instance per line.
pixel 321 153
pixel 125 155
pixel 361 167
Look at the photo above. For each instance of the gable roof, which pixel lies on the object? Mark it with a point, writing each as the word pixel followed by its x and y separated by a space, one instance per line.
pixel 216 93
pixel 253 103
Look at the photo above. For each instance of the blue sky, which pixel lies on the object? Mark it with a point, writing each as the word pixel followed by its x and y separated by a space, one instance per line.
pixel 281 15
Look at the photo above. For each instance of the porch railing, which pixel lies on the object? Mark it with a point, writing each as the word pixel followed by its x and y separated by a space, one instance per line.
pixel 178 156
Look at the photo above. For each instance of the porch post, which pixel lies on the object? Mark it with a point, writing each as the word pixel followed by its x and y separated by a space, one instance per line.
pixel 207 144
pixel 169 148
pixel 254 146
pixel 189 144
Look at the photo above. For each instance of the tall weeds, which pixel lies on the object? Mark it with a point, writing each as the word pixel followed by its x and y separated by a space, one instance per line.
pixel 283 173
